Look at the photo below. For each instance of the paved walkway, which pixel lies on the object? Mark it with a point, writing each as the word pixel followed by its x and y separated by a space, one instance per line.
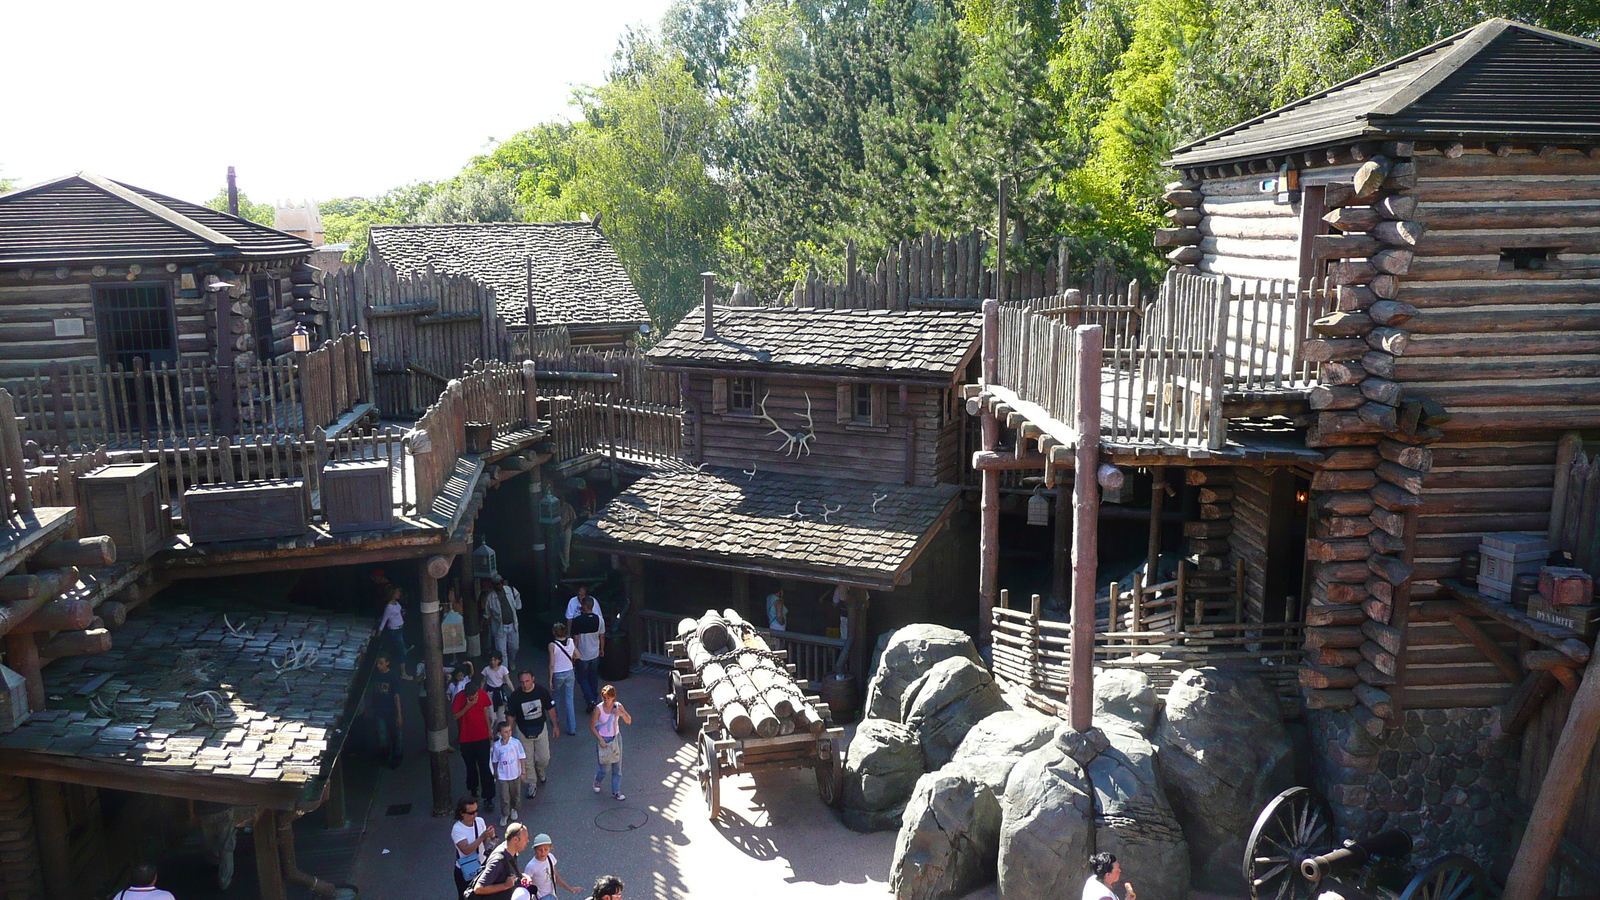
pixel 774 838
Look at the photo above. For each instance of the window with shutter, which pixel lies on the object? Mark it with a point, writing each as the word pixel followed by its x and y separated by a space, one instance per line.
pixel 878 406
pixel 742 395
pixel 719 395
pixel 844 400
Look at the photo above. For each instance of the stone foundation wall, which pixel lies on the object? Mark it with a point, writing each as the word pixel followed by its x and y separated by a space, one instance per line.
pixel 1442 777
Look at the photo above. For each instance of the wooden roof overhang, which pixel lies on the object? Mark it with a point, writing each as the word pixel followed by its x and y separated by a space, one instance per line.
pixel 274 735
pixel 813 373
pixel 814 529
pixel 1498 82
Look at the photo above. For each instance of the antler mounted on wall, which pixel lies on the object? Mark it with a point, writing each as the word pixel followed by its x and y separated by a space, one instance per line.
pixel 798 442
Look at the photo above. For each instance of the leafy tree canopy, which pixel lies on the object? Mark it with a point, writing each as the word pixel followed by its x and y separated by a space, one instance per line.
pixel 259 213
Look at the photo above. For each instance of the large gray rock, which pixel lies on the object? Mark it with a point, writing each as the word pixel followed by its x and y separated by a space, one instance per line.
pixel 1011 732
pixel 880 771
pixel 1222 754
pixel 950 835
pixel 1046 830
pixel 1132 818
pixel 945 703
pixel 907 655
pixel 1124 695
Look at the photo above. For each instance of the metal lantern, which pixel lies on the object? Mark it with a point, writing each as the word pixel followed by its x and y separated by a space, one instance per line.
pixel 453 631
pixel 483 562
pixel 364 341
pixel 302 339
pixel 1038 509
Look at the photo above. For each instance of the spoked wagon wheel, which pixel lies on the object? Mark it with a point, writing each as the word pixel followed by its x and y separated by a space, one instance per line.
pixel 682 714
pixel 1453 877
pixel 1297 824
pixel 830 772
pixel 710 775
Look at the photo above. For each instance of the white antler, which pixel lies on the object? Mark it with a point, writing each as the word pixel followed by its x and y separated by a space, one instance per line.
pixel 797 443
pixel 797 514
pixel 876 499
pixel 750 472
pixel 830 510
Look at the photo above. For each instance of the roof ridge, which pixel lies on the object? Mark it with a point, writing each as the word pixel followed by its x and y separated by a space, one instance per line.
pixel 165 213
pixel 241 220
pixel 475 224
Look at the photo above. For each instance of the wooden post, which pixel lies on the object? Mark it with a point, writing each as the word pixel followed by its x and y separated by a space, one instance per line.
pixel 22 655
pixel 333 811
pixel 1557 792
pixel 227 393
pixel 530 391
pixel 1152 553
pixel 1061 553
pixel 54 834
pixel 437 719
pixel 633 578
pixel 1001 239
pixel 856 602
pixel 989 537
pixel 269 865
pixel 739 595
pixel 1088 341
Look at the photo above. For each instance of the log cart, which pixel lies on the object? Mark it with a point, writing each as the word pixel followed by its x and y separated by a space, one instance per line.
pixel 752 714
pixel 1292 855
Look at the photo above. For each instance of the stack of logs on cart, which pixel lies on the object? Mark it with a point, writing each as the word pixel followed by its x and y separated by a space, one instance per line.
pixel 756 717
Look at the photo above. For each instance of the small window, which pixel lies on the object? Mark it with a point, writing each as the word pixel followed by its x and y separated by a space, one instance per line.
pixel 863 403
pixel 742 395
pixel 262 307
pixel 1526 258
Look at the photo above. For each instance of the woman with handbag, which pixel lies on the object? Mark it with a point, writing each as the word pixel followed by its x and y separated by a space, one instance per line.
pixel 471 836
pixel 563 653
pixel 606 723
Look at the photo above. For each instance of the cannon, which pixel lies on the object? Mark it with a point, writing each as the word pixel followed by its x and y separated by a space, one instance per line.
pixel 1292 855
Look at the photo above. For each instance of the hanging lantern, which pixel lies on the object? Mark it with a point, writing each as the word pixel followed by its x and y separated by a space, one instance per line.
pixel 301 339
pixel 1038 509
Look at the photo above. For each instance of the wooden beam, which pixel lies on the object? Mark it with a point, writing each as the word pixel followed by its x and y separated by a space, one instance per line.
pixel 1557 792
pixel 1470 630
pixel 1530 695
pixel 989 503
pixel 436 716
pixel 1088 341
pixel 269 862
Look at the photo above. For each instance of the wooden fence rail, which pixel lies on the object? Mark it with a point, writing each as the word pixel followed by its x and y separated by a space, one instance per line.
pixel 493 392
pixel 75 406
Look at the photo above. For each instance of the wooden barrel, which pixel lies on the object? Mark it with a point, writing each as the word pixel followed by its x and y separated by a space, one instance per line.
pixel 839 692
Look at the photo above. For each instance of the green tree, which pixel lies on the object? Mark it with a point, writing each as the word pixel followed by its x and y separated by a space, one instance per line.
pixel 259 213
pixel 349 219
pixel 542 161
pixel 475 195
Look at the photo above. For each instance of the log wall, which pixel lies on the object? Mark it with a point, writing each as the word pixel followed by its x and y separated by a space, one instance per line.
pixel 1246 233
pixel 926 430
pixel 1499 346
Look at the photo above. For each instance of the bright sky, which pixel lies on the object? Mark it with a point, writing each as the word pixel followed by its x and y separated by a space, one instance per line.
pixel 307 100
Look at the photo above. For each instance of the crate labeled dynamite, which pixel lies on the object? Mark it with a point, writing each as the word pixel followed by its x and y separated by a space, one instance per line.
pixel 1582 619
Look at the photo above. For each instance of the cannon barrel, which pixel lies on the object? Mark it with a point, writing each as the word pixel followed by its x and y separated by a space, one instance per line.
pixel 1354 854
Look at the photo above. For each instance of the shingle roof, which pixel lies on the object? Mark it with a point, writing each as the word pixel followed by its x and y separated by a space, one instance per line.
pixel 727 517
pixel 84 217
pixel 1498 79
pixel 269 733
pixel 577 278
pixel 888 342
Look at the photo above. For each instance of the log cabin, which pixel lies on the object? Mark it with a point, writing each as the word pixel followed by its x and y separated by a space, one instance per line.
pixel 825 446
pixel 1373 350
pixel 543 274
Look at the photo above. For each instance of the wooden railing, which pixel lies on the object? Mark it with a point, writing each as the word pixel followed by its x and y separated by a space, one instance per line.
pixel 1167 381
pixel 491 392
pixel 658 629
pixel 548 340
pixel 814 657
pixel 1267 323
pixel 1034 653
pixel 75 406
pixel 15 493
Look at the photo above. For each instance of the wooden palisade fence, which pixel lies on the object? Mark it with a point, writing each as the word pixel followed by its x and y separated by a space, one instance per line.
pixel 500 395
pixel 425 328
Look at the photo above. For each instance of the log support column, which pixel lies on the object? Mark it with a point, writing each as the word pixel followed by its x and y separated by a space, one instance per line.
pixel 269 864
pixel 989 536
pixel 437 719
pixel 333 808
pixel 1088 341
pixel 739 597
pixel 1061 553
pixel 633 579
pixel 22 656
pixel 856 602
pixel 54 836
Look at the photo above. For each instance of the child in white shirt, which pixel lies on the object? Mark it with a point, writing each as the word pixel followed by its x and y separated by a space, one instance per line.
pixel 506 756
pixel 495 676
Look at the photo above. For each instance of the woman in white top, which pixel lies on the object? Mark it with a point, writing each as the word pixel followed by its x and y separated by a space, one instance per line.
pixel 471 836
pixel 1105 872
pixel 606 724
pixel 495 676
pixel 562 677
pixel 539 876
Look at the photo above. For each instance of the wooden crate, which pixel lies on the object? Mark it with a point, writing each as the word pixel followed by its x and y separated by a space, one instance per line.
pixel 248 510
pixel 356 495
pixel 122 500
pixel 480 437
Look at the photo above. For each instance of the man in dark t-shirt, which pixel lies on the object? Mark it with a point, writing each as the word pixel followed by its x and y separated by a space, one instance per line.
pixel 501 872
pixel 529 708
pixel 383 701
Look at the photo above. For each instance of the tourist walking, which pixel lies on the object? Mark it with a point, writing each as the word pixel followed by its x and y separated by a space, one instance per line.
pixel 383 701
pixel 472 837
pixel 777 612
pixel 496 678
pixel 607 887
pixel 142 885
pixel 540 876
pixel 391 626
pixel 529 708
pixel 472 711
pixel 509 761
pixel 1105 873
pixel 606 723
pixel 501 603
pixel 501 873
pixel 589 633
pixel 563 660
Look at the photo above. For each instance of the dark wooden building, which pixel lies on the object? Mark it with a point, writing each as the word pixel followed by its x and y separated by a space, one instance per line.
pixel 827 450
pixel 543 274
pixel 1392 281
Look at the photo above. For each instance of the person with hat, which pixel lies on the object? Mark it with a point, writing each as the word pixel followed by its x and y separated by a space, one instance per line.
pixel 540 876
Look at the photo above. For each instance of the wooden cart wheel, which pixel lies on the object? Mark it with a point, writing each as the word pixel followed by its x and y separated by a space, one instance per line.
pixel 683 716
pixel 830 772
pixel 1453 877
pixel 1297 824
pixel 710 774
